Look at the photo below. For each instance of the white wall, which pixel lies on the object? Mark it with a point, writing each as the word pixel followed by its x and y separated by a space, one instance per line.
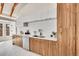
pixel 37 11
pixel 48 27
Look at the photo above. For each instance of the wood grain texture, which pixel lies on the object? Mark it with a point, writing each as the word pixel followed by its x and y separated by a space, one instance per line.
pixel 77 29
pixel 13 8
pixel 2 6
pixel 17 40
pixel 66 28
pixel 43 47
pixel 53 48
pixel 66 32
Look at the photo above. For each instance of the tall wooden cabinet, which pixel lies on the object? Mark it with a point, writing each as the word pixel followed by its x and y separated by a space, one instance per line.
pixel 66 27
pixel 77 29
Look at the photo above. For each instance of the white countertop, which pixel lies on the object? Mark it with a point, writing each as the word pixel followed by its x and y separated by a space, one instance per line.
pixel 45 38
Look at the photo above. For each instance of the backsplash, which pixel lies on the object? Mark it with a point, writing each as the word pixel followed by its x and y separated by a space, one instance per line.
pixel 47 27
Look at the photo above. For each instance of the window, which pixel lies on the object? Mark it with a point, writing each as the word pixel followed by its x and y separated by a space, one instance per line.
pixel 1 29
pixel 7 30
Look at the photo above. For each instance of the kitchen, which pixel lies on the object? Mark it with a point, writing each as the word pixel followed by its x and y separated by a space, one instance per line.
pixel 28 25
pixel 34 29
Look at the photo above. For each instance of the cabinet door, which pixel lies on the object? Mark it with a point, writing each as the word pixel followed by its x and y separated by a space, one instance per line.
pixel 44 47
pixel 34 45
pixel 18 41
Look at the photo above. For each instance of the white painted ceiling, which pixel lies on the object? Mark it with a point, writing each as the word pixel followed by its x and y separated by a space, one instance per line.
pixel 28 10
pixel 8 8
pixel 37 11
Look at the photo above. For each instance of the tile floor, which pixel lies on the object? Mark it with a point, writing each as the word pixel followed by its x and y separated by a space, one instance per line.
pixel 7 49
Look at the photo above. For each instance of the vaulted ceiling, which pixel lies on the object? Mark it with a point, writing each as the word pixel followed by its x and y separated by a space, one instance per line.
pixel 26 10
pixel 10 9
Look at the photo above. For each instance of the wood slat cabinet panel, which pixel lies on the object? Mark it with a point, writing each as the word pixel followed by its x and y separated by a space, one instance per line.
pixel 18 41
pixel 43 47
pixel 34 45
pixel 53 48
pixel 66 17
pixel 77 29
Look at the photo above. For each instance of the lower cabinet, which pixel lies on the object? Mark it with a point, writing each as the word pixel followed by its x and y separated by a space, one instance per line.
pixel 43 47
pixel 17 40
pixel 39 46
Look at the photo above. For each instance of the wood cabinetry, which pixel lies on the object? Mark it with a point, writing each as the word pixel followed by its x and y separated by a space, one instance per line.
pixel 67 32
pixel 53 48
pixel 77 29
pixel 43 47
pixel 17 40
pixel 34 45
pixel 66 27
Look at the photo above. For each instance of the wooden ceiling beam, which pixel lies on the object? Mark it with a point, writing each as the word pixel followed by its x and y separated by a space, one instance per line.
pixel 1 8
pixel 13 8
